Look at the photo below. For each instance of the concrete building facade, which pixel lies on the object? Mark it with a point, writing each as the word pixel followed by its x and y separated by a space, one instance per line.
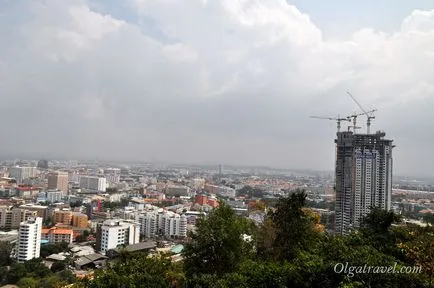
pixel 29 239
pixel 363 177
pixel 58 181
pixel 118 232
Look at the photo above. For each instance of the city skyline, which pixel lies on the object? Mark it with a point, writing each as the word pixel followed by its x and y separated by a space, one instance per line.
pixel 136 80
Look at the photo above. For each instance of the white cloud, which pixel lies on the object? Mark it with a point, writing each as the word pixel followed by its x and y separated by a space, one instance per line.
pixel 215 78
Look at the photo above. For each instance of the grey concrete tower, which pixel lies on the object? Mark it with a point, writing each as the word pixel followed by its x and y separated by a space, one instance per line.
pixel 363 177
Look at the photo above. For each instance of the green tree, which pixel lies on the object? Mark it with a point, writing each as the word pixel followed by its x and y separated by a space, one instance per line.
pixel 58 266
pixel 429 218
pixel 5 253
pixel 28 282
pixel 16 272
pixel 294 227
pixel 138 271
pixel 217 246
pixel 376 229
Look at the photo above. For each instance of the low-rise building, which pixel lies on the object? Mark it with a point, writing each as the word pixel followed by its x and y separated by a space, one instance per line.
pixel 56 235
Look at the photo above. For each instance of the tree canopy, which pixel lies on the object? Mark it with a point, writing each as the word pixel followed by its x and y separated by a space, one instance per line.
pixel 289 249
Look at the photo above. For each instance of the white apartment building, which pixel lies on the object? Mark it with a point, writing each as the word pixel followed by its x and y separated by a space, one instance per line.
pixel 118 232
pixel 54 196
pixel 166 223
pixel 29 239
pixel 22 173
pixel 93 183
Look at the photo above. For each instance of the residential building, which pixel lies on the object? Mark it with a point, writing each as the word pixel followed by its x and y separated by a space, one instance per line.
pixel 164 223
pixel 363 177
pixel 29 239
pixel 94 183
pixel 27 192
pixel 41 211
pixel 61 216
pixel 22 173
pixel 54 196
pixel 58 181
pixel 56 235
pixel 80 220
pixel 118 232
pixel 11 218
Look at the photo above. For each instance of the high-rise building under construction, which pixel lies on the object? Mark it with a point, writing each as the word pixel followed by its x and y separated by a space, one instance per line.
pixel 363 177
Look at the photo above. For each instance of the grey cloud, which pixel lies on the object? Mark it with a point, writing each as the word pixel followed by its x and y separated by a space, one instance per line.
pixel 236 86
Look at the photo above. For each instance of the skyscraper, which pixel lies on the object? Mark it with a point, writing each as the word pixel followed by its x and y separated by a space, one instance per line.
pixel 29 239
pixel 363 177
pixel 59 181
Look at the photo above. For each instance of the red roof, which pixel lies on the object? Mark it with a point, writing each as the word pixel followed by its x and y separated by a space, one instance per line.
pixel 27 188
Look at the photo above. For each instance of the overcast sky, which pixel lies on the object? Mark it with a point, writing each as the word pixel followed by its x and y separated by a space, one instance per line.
pixel 208 81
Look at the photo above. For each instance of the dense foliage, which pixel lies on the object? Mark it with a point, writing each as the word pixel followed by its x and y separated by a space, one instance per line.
pixel 288 250
pixel 35 274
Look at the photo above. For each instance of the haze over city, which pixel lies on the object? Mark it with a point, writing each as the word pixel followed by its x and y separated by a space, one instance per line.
pixel 230 82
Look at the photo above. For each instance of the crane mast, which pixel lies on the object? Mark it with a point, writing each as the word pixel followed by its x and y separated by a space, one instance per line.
pixel 369 115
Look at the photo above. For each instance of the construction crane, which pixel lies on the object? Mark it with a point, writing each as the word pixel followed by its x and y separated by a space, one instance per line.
pixel 370 116
pixel 337 119
pixel 354 117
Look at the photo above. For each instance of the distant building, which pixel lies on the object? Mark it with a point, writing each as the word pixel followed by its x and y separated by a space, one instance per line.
pixel 42 164
pixel 54 196
pixel 168 224
pixel 93 183
pixel 113 175
pixel 363 177
pixel 22 173
pixel 29 239
pixel 173 190
pixel 56 235
pixel 220 190
pixel 27 192
pixel 58 181
pixel 118 232
pixel 197 183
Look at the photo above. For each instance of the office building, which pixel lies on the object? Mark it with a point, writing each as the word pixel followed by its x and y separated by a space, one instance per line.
pixel 29 239
pixel 22 173
pixel 118 232
pixel 94 183
pixel 57 235
pixel 363 177
pixel 58 181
